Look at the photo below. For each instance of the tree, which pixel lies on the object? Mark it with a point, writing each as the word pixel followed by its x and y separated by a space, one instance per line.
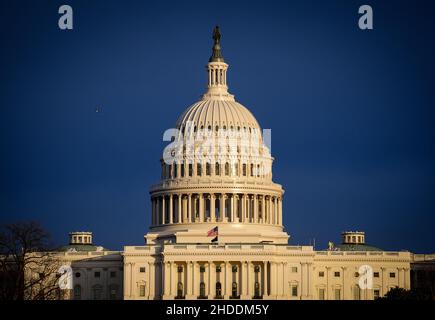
pixel 28 269
pixel 403 294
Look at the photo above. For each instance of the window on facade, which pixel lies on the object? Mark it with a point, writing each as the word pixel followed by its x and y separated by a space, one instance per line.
pixel 142 269
pixel 198 169
pixel 113 274
pixel 321 274
pixel 227 169
pixel 356 274
pixel 97 274
pixel 375 274
pixel 77 292
pixel 392 274
pixel 190 170
pixel 78 274
pixel 321 294
pixel 218 290
pixel 337 294
pixel 252 170
pixel 180 290
pixel 244 169
pixel 294 269
pixel 208 169
pixel 294 290
pixel 113 289
pixel 336 273
pixel 202 289
pixel 96 292
pixel 217 169
pixel 376 294
pixel 142 290
pixel 234 290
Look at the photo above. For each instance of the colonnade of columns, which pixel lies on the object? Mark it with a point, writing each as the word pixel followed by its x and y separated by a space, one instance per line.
pixel 183 169
pixel 220 280
pixel 216 207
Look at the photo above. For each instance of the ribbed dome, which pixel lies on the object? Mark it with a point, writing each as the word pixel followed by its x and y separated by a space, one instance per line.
pixel 221 113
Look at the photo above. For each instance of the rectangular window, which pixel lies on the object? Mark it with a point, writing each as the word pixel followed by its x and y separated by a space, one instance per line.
pixel 392 274
pixel 337 294
pixel 321 294
pixel 96 274
pixel 113 274
pixel 321 274
pixel 142 269
pixel 294 269
pixel 375 274
pixel 376 294
pixel 294 290
pixel 336 274
pixel 142 290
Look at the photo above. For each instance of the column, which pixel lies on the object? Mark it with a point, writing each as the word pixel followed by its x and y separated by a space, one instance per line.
pixel 152 212
pixel 171 209
pixel 275 210
pixel 263 209
pixel 280 211
pixel 227 280
pixel 163 210
pixel 195 276
pixel 209 280
pixel 179 208
pixel 212 207
pixel 152 280
pixel 157 199
pixel 201 207
pixel 166 279
pixel 273 279
pixel 189 208
pixel 244 282
pixel 212 279
pixel 242 214
pixel 265 280
pixel 255 209
pixel 232 207
pixel 222 208
pixel 248 280
pixel 270 211
pixel 189 279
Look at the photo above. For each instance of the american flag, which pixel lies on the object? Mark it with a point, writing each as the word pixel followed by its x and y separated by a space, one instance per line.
pixel 213 232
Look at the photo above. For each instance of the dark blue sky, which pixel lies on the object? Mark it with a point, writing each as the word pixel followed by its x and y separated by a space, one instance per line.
pixel 351 111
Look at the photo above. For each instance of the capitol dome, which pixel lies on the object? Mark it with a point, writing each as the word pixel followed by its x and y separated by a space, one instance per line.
pixel 216 172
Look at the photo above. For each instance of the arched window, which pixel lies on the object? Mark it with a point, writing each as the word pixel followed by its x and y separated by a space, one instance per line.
pixel 198 169
pixel 175 169
pixel 244 170
pixel 190 169
pixel 208 169
pixel 252 170
pixel 77 292
pixel 217 169
pixel 227 169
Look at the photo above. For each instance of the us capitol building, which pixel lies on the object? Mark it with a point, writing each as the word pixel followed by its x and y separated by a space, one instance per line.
pixel 216 224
